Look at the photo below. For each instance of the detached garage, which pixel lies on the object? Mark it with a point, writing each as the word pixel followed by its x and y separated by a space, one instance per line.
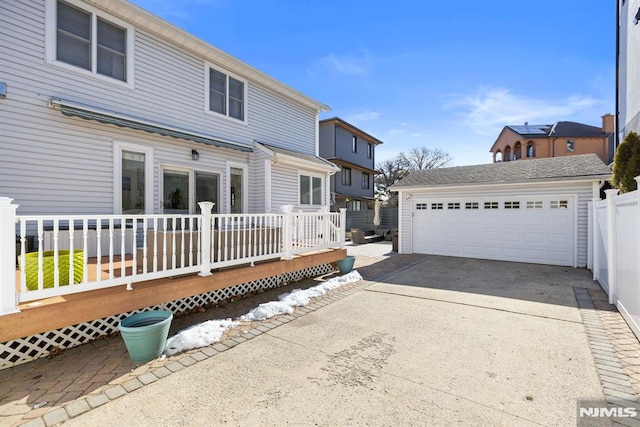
pixel 532 211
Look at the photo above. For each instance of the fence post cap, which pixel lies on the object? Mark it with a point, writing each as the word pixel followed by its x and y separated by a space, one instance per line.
pixel 206 206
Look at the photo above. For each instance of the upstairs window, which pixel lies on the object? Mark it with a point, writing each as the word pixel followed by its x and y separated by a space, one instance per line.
pixel 365 181
pixel 89 41
pixel 369 151
pixel 226 94
pixel 346 176
pixel 571 146
pixel 354 144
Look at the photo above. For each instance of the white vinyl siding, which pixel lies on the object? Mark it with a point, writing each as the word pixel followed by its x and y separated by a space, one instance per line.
pixel 169 86
pixel 57 164
pixel 581 192
pixel 86 40
pixel 224 93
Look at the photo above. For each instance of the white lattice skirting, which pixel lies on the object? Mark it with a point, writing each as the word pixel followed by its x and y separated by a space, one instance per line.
pixel 34 347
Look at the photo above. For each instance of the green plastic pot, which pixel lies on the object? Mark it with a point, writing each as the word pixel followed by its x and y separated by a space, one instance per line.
pixel 345 265
pixel 145 334
pixel 48 270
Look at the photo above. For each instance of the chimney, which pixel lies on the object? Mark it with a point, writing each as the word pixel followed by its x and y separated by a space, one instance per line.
pixel 607 123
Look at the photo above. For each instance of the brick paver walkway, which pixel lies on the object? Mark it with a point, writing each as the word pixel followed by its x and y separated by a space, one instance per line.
pixel 48 391
pixel 623 340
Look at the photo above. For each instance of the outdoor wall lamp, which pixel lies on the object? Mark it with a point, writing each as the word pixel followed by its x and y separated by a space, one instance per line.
pixel 195 155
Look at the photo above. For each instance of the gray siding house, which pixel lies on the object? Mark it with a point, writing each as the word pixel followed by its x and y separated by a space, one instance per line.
pixel 353 150
pixel 107 108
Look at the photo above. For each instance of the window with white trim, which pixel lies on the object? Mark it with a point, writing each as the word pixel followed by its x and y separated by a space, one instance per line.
pixel 491 205
pixel 310 190
pixel 354 144
pixel 453 205
pixel 471 205
pixel 226 94
pixel 534 204
pixel 86 39
pixel 369 150
pixel 421 206
pixel 133 182
pixel 437 206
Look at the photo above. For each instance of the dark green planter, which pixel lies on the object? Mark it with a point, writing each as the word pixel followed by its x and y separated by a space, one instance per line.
pixel 145 334
pixel 346 265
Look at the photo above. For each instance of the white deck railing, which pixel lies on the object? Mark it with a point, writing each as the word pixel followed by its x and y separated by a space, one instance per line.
pixel 64 254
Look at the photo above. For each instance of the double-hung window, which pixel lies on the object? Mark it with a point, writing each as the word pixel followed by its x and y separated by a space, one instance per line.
pixel 88 40
pixel 310 190
pixel 365 181
pixel 346 176
pixel 226 94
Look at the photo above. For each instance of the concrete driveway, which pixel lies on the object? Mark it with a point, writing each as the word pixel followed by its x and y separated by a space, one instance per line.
pixel 445 341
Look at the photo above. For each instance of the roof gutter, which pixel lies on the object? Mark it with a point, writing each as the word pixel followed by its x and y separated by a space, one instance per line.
pixel 550 180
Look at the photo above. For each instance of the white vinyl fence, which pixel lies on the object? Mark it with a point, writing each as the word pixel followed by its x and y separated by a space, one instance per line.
pixel 616 251
pixel 50 255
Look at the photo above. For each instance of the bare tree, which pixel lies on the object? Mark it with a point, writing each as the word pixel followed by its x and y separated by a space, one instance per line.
pixel 393 170
pixel 423 158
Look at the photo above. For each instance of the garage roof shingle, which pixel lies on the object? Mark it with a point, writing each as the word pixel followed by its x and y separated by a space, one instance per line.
pixel 570 167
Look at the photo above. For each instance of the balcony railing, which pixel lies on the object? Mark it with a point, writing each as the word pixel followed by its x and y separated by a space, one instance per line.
pixel 64 254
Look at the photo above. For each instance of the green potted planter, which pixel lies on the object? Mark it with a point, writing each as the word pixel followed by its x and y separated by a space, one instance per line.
pixel 345 265
pixel 145 334
pixel 48 270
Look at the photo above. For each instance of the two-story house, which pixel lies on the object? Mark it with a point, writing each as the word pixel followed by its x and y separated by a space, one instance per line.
pixel 108 108
pixel 353 150
pixel 114 126
pixel 563 138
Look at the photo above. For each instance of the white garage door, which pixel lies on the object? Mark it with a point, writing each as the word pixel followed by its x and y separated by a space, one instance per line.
pixel 536 229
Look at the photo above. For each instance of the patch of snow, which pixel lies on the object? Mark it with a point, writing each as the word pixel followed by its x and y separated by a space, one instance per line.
pixel 200 335
pixel 209 332
pixel 298 298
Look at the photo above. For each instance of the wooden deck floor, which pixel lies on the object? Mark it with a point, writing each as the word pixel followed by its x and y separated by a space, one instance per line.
pixel 57 312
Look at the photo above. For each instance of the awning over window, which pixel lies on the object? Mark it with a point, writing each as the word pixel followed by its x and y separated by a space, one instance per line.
pixel 108 117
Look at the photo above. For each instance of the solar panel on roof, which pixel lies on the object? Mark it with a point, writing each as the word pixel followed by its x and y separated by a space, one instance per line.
pixel 531 129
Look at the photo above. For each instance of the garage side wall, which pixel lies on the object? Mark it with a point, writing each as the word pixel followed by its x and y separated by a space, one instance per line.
pixel 582 191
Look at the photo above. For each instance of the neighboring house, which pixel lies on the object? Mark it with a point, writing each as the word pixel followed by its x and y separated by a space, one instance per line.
pixel 517 142
pixel 110 109
pixel 353 150
pixel 627 70
pixel 534 211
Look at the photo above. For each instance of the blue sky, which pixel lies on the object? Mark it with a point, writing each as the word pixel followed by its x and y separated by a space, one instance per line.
pixel 446 75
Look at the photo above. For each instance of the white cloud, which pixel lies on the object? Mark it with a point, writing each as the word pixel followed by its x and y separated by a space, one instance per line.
pixel 488 110
pixel 347 65
pixel 362 115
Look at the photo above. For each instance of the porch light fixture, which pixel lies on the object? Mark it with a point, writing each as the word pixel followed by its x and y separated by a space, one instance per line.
pixel 195 155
